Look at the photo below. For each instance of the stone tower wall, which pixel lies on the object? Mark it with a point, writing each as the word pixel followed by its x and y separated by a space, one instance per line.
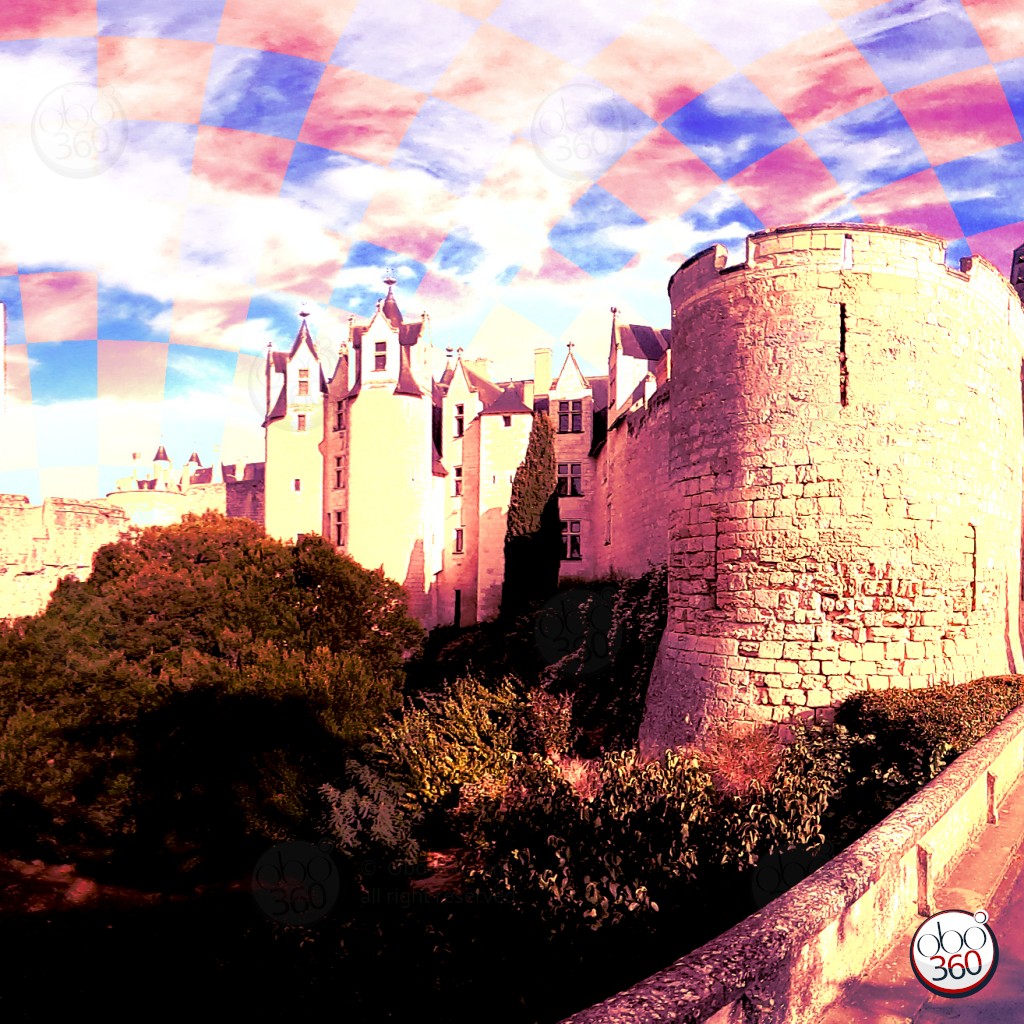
pixel 845 474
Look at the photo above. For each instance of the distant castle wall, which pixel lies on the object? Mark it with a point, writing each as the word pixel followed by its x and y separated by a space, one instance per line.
pixel 41 544
pixel 846 470
pixel 637 490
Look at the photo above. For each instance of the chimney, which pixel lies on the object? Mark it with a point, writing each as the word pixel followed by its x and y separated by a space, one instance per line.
pixel 541 371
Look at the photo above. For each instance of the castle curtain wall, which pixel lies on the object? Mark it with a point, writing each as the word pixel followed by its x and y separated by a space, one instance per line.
pixel 846 467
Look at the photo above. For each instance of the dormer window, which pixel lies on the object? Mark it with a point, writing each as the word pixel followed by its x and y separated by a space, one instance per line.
pixel 301 422
pixel 380 355
pixel 303 383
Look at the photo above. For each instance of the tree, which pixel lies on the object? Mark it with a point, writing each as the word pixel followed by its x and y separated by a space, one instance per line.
pixel 193 694
pixel 533 536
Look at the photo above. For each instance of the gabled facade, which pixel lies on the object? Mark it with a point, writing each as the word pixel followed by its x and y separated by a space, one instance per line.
pixel 414 474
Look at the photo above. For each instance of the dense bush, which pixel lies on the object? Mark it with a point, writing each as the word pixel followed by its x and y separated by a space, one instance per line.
pixel 609 668
pixel 617 839
pixel 190 696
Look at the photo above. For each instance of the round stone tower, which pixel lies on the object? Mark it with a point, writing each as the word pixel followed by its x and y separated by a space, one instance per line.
pixel 846 471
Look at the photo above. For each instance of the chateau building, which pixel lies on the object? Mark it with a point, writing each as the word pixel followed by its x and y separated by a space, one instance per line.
pixel 826 449
pixel 414 474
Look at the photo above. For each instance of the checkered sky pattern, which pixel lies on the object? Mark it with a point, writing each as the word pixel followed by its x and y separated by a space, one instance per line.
pixel 520 165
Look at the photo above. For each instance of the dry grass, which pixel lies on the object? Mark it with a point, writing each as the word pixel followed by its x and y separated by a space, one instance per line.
pixel 737 757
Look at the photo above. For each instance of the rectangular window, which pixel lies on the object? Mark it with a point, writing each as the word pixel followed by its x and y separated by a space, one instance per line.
pixel 339 416
pixel 380 355
pixel 337 471
pixel 570 417
pixel 297 485
pixel 459 534
pixel 571 539
pixel 303 383
pixel 570 483
pixel 458 480
pixel 337 528
pixel 460 420
pixel 608 523
pixel 302 421
pixel 506 421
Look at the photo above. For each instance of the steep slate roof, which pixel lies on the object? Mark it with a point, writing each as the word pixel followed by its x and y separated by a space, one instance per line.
pixel 509 401
pixel 406 381
pixel 390 309
pixel 437 466
pixel 161 455
pixel 486 389
pixel 409 334
pixel 643 342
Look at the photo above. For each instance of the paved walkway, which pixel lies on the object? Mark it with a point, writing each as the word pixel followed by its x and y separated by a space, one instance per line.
pixel 990 877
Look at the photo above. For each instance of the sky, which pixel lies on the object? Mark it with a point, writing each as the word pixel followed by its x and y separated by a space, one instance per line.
pixel 179 177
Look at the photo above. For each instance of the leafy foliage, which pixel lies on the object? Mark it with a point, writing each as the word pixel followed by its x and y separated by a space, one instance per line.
pixel 190 696
pixel 533 535
pixel 609 704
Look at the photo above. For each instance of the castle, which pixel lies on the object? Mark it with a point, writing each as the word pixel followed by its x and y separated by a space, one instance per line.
pixel 826 449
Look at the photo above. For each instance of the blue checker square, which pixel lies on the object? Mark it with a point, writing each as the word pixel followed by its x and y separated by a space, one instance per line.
pixel 282 310
pixel 198 20
pixel 335 186
pixel 10 296
pixel 412 46
pixel 577 237
pixel 125 315
pixel 985 189
pixel 63 371
pixel 1011 76
pixel 256 91
pixel 22 481
pixel 731 126
pixel 909 42
pixel 458 255
pixel 721 216
pixel 450 144
pixel 360 280
pixel 868 148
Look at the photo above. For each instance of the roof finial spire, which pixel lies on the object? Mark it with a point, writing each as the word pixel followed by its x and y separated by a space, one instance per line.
pixel 304 309
pixel 570 345
pixel 389 277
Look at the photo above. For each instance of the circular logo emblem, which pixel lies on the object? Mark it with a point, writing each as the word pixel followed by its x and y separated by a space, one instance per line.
pixel 579 131
pixel 954 953
pixel 296 883
pixel 779 871
pixel 574 618
pixel 78 130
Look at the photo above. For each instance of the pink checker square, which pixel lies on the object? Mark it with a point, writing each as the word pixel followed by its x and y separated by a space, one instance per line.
pixel 131 368
pixel 360 115
pixel 413 223
pixel 844 8
pixel 501 78
pixel 203 321
pixel 238 161
pixel 917 202
pixel 788 186
pixel 155 79
pixel 479 9
pixel 998 24
pixel 302 28
pixel 53 19
pixel 660 177
pixel 817 78
pixel 659 65
pixel 284 269
pixel 959 115
pixel 441 290
pixel 59 306
pixel 554 269
pixel 998 244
